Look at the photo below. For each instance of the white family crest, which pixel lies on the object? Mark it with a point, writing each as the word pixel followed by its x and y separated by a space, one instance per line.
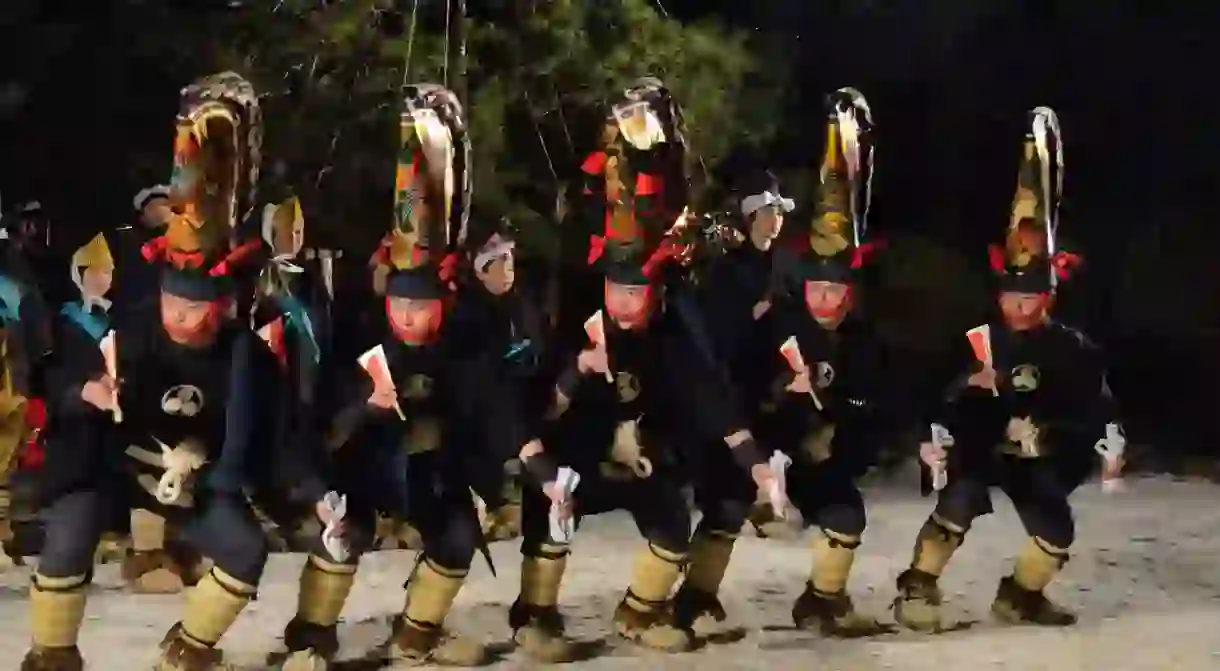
pixel 183 400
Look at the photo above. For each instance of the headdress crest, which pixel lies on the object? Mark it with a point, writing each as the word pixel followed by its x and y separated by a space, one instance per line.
pixel 636 183
pixel 431 187
pixel 836 243
pixel 217 154
pixel 1029 261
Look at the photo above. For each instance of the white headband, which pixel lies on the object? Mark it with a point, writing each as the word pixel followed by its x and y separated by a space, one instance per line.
pixel 501 247
pixel 147 194
pixel 752 204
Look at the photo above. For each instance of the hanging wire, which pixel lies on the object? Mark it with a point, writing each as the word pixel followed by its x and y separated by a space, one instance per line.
pixel 541 140
pixel 406 64
pixel 448 33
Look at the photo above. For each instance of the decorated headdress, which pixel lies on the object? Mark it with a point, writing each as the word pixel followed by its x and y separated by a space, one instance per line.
pixel 217 153
pixel 1029 261
pixel 635 184
pixel 836 245
pixel 431 194
pixel 93 254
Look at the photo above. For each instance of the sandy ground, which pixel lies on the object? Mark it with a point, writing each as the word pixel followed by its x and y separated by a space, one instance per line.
pixel 1145 578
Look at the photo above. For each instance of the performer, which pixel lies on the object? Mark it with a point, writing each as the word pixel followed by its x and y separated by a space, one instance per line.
pixel 498 321
pixel 1028 413
pixel 193 390
pixel 161 561
pixel 735 296
pixel 637 384
pixel 826 401
pixel 394 442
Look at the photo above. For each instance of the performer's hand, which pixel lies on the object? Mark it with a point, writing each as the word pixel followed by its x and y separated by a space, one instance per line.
pixel 801 384
pixel 984 379
pixel 385 398
pixel 761 308
pixel 1112 468
pixel 763 476
pixel 594 360
pixel 323 511
pixel 100 393
pixel 559 498
pixel 932 454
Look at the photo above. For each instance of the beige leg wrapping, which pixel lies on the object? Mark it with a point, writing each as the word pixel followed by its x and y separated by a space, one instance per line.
pixel 1037 564
pixel 147 531
pixel 324 589
pixel 430 593
pixel 57 608
pixel 833 555
pixel 709 559
pixel 212 606
pixel 653 577
pixel 542 576
pixel 935 544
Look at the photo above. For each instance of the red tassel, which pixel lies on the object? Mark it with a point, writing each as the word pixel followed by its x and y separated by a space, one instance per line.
pixel 995 254
pixel 184 259
pixel 597 247
pixel 594 163
pixel 155 249
pixel 648 185
pixel 235 257
pixel 1064 263
pixel 448 267
pixel 864 252
pixel 668 249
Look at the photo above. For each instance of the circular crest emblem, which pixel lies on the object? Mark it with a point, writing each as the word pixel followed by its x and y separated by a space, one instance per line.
pixel 628 387
pixel 184 400
pixel 418 387
pixel 826 375
pixel 1025 378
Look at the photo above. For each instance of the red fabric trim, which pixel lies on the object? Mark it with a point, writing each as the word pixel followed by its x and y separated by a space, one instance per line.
pixel 648 185
pixel 597 247
pixel 594 163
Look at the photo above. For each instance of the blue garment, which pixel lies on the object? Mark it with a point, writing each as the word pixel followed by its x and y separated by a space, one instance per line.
pixel 95 323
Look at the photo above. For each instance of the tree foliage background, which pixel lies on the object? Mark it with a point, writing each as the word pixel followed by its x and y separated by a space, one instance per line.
pixel 537 75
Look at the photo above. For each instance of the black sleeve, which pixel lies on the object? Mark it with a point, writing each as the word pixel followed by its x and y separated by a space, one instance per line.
pixel 76 360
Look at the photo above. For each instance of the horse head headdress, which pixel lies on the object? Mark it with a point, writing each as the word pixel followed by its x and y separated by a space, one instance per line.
pixel 1029 261
pixel 636 183
pixel 431 192
pixel 217 152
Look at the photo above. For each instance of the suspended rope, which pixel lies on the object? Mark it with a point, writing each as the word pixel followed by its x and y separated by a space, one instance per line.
pixel 406 64
pixel 448 35
pixel 541 139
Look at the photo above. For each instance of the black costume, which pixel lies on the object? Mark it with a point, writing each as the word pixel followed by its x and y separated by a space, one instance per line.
pixel 624 426
pixel 1035 433
pixel 406 461
pixel 497 324
pixel 193 416
pixel 831 434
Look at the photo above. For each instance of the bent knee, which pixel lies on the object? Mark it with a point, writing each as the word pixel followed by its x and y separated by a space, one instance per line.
pixel 454 548
pixel 844 522
pixel 242 555
pixel 725 517
pixel 1056 531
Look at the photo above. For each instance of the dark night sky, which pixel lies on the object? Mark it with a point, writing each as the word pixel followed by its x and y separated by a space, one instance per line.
pixel 950 82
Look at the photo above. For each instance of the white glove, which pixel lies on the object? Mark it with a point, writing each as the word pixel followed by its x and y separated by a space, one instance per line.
pixel 562 530
pixel 1111 448
pixel 778 495
pixel 941 440
pixel 332 540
